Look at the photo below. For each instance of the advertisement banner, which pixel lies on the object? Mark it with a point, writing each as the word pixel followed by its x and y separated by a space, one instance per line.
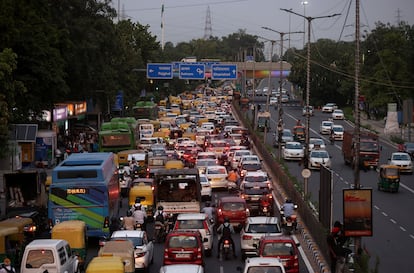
pixel 357 212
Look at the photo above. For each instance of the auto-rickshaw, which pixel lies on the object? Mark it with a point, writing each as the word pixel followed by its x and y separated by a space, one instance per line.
pixel 10 248
pixel 299 133
pixel 105 264
pixel 389 178
pixel 74 232
pixel 143 189
pixel 120 248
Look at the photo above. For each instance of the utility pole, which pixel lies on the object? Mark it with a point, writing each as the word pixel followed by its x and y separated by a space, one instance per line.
pixel 279 99
pixel 309 19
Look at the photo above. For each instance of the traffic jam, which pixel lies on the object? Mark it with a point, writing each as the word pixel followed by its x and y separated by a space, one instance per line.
pixel 193 185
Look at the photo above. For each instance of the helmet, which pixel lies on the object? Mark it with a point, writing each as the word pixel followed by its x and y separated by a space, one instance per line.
pixel 160 208
pixel 137 206
pixel 226 220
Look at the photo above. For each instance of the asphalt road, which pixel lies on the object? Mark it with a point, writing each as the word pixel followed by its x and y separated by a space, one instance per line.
pixel 392 242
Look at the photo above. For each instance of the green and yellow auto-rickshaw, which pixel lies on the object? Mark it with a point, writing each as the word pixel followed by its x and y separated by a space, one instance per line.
pixel 389 178
pixel 10 248
pixel 105 264
pixel 74 232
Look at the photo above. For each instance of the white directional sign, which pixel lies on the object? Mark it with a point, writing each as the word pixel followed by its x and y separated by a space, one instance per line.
pixel 189 71
pixel 224 72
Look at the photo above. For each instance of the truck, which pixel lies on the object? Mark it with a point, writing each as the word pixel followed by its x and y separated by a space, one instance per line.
pixel 178 190
pixel 24 192
pixel 263 121
pixel 145 110
pixel 369 152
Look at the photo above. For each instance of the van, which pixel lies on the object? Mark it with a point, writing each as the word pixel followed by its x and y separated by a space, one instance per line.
pixel 50 255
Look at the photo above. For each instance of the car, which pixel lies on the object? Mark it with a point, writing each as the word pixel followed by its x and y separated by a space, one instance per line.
pixel 143 247
pixel 257 178
pixel 217 147
pixel 318 157
pixel 273 100
pixel 403 161
pixel 183 247
pixel 338 131
pixel 200 223
pixel 329 107
pixel 254 194
pixel 254 229
pixel 283 247
pixel 325 127
pixel 182 268
pixel 316 142
pixel 233 207
pixel 262 265
pixel 293 150
pixel 249 166
pixel 285 98
pixel 236 156
pixel 202 164
pixel 287 135
pixel 205 188
pixel 338 114
pixel 217 175
pixel 310 110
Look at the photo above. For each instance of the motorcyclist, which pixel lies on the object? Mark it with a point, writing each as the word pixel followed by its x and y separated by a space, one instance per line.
pixel 139 216
pixel 225 230
pixel 332 136
pixel 161 216
pixel 209 211
pixel 288 208
pixel 223 158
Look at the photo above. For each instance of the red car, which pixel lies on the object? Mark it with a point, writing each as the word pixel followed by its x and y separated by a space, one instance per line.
pixel 234 208
pixel 183 247
pixel 282 247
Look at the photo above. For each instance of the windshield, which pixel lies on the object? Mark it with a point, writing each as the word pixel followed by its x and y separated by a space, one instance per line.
pixel 293 146
pixel 136 241
pixel 276 249
pixel 263 228
pixel 264 269
pixel 369 146
pixel 319 154
pixel 259 178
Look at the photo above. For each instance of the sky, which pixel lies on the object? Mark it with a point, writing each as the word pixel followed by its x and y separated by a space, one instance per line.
pixel 185 20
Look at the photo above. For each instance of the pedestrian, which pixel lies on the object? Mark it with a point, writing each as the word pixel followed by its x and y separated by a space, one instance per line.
pixel 6 267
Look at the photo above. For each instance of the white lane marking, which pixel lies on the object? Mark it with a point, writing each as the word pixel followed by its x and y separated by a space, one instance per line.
pixel 393 221
pixel 304 257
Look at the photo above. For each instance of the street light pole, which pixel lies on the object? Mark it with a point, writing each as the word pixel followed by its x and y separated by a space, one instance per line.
pixel 279 99
pixel 304 3
pixel 309 19
pixel 268 87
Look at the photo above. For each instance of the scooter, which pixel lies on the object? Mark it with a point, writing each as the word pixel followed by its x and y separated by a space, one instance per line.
pixel 225 249
pixel 266 206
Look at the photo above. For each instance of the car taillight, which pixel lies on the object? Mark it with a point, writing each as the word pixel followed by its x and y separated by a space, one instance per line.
pixel 199 253
pixel 206 228
pixel 247 212
pixel 139 254
pixel 247 237
pixel 219 212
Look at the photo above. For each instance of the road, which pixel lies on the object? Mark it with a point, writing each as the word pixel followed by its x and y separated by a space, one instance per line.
pixel 393 228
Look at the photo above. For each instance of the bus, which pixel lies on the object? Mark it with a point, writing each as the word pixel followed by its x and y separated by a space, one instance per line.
pixel 145 109
pixel 85 187
pixel 118 134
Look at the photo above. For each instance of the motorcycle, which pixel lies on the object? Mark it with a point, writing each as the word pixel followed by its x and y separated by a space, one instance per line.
pixel 225 249
pixel 289 223
pixel 266 206
pixel 159 232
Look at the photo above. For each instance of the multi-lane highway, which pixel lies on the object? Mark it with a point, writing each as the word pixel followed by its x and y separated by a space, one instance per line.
pixel 393 225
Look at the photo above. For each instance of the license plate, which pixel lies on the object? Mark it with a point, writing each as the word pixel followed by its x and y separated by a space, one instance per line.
pixel 289 224
pixel 157 227
pixel 226 246
pixel 181 255
pixel 254 198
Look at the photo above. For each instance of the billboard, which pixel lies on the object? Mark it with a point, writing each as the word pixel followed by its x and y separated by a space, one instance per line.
pixel 357 206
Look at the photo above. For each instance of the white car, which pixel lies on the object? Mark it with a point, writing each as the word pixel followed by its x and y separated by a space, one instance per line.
pixel 285 98
pixel 235 157
pixel 318 157
pixel 338 132
pixel 205 187
pixel 202 164
pixel 273 101
pixel 143 247
pixel 325 128
pixel 254 229
pixel 263 265
pixel 338 114
pixel 315 142
pixel 255 178
pixel 249 158
pixel 329 107
pixel 217 175
pixel 402 160
pixel 198 222
pixel 310 110
pixel 293 150
pixel 182 268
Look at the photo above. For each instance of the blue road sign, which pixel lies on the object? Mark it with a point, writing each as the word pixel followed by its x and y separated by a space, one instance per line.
pixel 224 72
pixel 159 71
pixel 189 71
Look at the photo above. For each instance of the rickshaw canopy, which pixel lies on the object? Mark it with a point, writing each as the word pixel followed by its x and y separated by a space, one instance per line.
pixel 105 264
pixel 73 231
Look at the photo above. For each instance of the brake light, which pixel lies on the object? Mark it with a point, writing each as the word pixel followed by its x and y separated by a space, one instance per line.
pixel 106 222
pixel 247 237
pixel 199 253
pixel 206 228
pixel 140 254
pixel 247 212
